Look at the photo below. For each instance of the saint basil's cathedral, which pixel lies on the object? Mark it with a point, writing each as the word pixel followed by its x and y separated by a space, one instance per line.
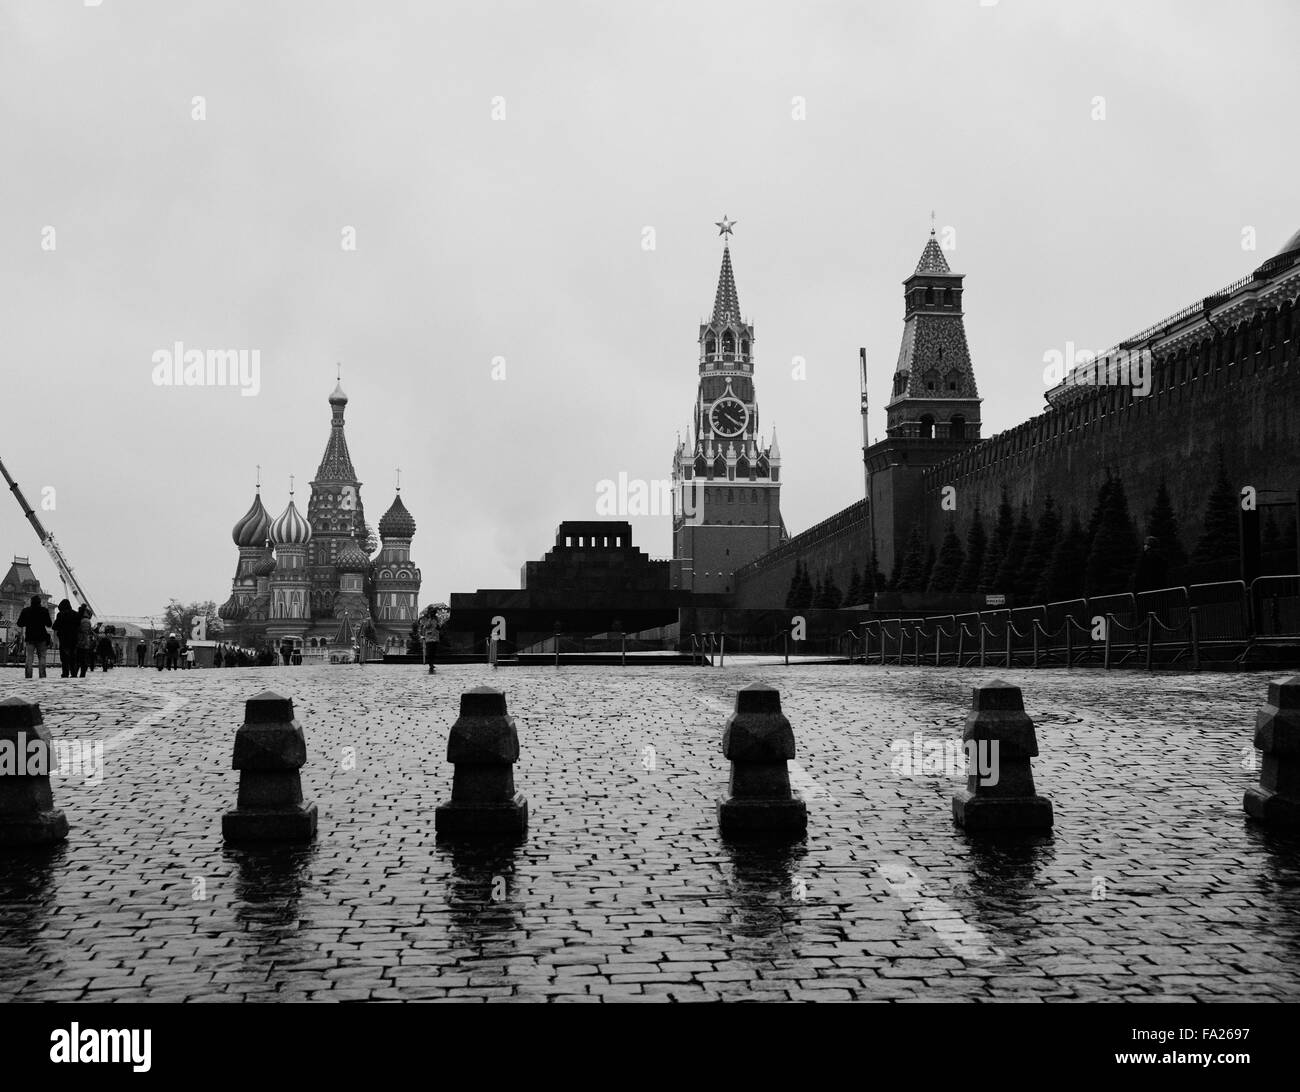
pixel 309 580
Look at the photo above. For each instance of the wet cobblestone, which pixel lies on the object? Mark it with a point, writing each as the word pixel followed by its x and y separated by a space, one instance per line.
pixel 623 889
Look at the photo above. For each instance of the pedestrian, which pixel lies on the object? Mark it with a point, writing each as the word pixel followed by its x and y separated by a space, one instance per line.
pixel 104 649
pixel 173 652
pixel 189 658
pixel 430 627
pixel 286 651
pixel 140 653
pixel 1152 568
pixel 66 624
pixel 158 654
pixel 85 641
pixel 37 626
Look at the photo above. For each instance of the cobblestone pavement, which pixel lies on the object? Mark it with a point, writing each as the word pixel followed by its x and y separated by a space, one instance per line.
pixel 623 890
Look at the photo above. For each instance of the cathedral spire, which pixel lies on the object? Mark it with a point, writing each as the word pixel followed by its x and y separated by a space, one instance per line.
pixel 336 463
pixel 726 304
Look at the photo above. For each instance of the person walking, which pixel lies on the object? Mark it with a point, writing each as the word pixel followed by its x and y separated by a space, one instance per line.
pixel 173 652
pixel 1152 572
pixel 140 653
pixel 35 622
pixel 158 655
pixel 104 649
pixel 85 641
pixel 66 625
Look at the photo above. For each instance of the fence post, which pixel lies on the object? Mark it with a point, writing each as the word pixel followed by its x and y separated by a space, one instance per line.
pixel 787 648
pixel 1194 618
pixel 722 649
pixel 1105 660
pixel 624 662
pixel 1035 630
pixel 983 628
pixel 1009 631
pixel 938 629
pixel 1069 641
pixel 1151 625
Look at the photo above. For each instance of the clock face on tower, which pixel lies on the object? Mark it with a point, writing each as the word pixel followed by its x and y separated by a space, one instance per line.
pixel 729 416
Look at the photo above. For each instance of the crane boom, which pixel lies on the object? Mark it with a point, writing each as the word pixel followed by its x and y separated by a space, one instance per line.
pixel 71 585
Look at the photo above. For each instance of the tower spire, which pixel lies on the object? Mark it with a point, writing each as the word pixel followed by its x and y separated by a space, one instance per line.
pixel 726 302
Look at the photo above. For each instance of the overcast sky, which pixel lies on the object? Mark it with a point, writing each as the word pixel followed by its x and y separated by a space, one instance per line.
pixel 523 238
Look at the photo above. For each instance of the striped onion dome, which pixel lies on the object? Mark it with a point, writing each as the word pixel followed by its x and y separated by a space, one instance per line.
pixel 252 528
pixel 290 529
pixel 352 560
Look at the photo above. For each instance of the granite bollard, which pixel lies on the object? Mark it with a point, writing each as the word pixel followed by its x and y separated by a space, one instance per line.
pixel 483 746
pixel 759 742
pixel 269 752
pixel 1004 740
pixel 1275 801
pixel 28 816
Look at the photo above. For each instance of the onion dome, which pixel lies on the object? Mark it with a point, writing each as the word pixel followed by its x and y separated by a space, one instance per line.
pixel 290 529
pixel 252 528
pixel 351 559
pixel 338 398
pixel 397 522
pixel 232 610
pixel 265 567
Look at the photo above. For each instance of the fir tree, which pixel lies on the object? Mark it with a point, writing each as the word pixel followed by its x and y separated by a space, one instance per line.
pixel 1163 526
pixel 807 593
pixel 928 568
pixel 833 596
pixel 1063 578
pixel 896 574
pixel 1270 538
pixel 1220 540
pixel 973 560
pixel 913 568
pixel 1040 552
pixel 874 580
pixel 854 595
pixel 1003 528
pixel 1114 551
pixel 1008 577
pixel 948 564
pixel 792 596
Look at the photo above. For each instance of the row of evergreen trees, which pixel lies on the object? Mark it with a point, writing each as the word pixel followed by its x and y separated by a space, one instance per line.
pixel 1049 559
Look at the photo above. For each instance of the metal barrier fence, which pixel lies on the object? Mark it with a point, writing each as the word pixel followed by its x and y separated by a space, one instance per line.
pixel 1222 621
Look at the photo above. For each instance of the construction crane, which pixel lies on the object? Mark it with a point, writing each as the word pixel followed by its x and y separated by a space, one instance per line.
pixel 71 585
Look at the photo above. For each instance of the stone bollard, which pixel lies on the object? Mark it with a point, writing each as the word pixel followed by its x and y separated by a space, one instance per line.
pixel 1276 799
pixel 28 816
pixel 999 736
pixel 483 746
pixel 759 741
pixel 269 752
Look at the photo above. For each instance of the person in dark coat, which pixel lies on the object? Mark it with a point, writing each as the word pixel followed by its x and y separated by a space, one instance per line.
pixel 1152 567
pixel 66 625
pixel 36 623
pixel 104 649
pixel 85 642
pixel 173 652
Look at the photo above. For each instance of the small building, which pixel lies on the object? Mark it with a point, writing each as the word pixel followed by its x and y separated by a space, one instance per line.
pixel 593 580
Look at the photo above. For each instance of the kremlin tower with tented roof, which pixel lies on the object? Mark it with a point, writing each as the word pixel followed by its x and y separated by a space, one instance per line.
pixel 310 580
